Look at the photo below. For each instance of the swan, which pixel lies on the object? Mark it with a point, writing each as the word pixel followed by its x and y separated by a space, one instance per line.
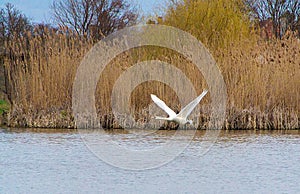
pixel 181 117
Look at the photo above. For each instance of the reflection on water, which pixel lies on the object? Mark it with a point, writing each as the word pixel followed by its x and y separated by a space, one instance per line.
pixel 57 161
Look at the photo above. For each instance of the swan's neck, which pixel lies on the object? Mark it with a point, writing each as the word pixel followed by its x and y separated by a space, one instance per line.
pixel 163 118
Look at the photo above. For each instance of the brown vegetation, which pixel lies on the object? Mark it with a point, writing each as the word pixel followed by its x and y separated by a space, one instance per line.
pixel 263 85
pixel 40 71
pixel 262 81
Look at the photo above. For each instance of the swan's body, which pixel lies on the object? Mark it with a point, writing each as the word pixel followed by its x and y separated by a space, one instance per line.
pixel 181 117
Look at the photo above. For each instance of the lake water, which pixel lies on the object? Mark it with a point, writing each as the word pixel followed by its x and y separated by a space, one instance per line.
pixel 57 161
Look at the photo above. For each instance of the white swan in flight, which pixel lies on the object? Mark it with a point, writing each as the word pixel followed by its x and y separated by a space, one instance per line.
pixel 181 117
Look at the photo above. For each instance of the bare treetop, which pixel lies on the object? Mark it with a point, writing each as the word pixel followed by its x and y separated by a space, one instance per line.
pixel 12 22
pixel 97 18
pixel 284 14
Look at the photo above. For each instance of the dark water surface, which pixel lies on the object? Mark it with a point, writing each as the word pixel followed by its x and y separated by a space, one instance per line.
pixel 58 161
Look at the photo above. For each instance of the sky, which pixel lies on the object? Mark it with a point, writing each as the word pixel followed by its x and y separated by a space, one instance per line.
pixel 38 10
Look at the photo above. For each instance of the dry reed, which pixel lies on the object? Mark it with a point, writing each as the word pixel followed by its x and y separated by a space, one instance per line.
pixel 262 81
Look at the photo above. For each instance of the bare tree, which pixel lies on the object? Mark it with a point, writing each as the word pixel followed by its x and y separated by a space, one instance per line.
pixel 113 16
pixel 283 13
pixel 12 22
pixel 96 17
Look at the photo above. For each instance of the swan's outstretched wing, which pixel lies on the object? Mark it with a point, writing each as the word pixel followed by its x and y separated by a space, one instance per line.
pixel 186 111
pixel 163 105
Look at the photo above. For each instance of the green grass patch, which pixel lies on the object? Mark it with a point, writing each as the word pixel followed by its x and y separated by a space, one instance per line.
pixel 4 106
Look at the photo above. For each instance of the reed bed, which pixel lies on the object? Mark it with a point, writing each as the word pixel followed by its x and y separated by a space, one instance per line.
pixel 40 70
pixel 262 80
pixel 263 84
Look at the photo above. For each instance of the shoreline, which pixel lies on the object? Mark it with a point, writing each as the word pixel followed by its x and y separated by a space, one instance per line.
pixel 247 122
pixel 199 132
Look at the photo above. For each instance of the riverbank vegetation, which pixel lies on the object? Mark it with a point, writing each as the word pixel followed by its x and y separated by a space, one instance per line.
pixel 261 74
